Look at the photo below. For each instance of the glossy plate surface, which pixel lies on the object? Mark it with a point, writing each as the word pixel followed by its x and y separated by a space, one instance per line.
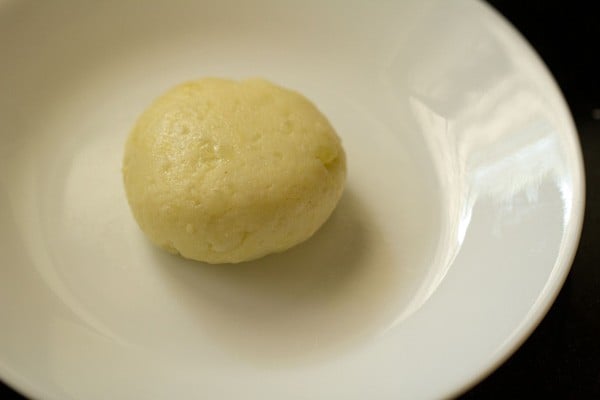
pixel 461 216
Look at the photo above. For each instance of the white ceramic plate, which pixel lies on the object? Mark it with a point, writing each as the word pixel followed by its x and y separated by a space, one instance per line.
pixel 461 216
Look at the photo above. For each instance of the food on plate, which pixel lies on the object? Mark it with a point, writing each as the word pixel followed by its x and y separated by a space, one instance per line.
pixel 223 171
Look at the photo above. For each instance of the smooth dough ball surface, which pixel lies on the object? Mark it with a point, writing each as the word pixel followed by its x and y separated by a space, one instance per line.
pixel 223 171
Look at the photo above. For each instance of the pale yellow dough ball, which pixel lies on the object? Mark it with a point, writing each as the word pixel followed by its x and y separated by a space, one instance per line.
pixel 223 171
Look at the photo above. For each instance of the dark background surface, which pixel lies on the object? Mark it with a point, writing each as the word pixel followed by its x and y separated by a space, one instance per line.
pixel 561 359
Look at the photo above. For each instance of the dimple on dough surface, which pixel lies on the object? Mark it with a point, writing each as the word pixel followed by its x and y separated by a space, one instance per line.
pixel 224 171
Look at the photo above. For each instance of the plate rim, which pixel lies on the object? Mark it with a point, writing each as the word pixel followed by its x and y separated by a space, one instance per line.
pixel 564 261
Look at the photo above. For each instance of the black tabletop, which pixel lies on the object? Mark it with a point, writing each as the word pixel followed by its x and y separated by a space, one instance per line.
pixel 561 359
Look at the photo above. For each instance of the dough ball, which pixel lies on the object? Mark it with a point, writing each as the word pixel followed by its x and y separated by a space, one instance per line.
pixel 223 171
